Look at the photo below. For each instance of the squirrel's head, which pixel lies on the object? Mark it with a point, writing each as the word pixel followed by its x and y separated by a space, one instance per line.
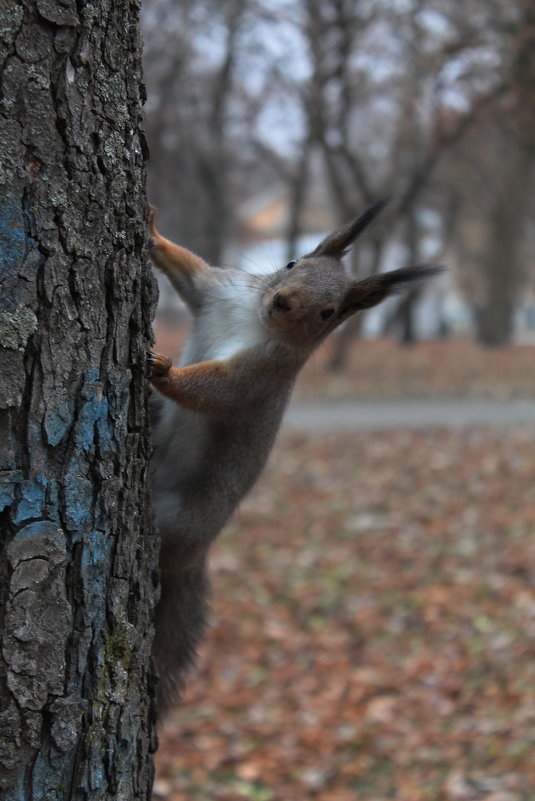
pixel 312 295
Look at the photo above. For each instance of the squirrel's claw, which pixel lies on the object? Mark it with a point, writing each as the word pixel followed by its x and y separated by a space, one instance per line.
pixel 157 364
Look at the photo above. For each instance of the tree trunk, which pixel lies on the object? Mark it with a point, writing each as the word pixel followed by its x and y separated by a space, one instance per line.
pixel 78 549
pixel 297 199
pixel 503 268
pixel 213 167
pixel 407 306
pixel 511 190
pixel 401 322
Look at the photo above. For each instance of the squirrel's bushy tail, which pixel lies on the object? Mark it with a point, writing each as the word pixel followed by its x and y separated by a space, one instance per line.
pixel 181 618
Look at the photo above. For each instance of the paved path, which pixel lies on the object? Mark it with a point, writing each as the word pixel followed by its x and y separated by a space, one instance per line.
pixel 368 415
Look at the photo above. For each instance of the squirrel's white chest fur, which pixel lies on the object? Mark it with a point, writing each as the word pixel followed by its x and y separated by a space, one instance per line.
pixel 229 322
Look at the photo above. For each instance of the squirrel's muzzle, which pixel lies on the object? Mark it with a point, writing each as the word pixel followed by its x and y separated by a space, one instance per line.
pixel 281 302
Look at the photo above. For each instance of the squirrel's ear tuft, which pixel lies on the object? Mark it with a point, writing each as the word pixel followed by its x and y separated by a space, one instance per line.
pixel 370 291
pixel 337 243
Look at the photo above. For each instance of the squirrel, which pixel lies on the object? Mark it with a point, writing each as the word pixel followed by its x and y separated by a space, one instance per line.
pixel 215 417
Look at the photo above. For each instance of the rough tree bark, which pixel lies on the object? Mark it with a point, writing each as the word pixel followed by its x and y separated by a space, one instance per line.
pixel 77 566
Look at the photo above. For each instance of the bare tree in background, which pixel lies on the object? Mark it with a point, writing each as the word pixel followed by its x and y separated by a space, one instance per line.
pixel 346 105
pixel 498 168
pixel 192 94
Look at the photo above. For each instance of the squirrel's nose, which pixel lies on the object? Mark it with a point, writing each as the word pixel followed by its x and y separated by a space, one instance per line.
pixel 281 302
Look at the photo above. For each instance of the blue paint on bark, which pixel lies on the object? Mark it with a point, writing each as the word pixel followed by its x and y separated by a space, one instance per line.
pixel 56 423
pixel 95 558
pixel 32 499
pixel 39 528
pixel 78 502
pixel 19 793
pixel 93 411
pixel 47 776
pixel 92 437
pixel 9 481
pixel 52 507
pixel 12 234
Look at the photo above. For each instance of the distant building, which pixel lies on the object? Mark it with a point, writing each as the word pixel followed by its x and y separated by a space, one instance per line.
pixel 267 215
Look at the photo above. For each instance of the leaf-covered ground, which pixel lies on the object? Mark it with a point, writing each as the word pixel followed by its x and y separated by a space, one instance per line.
pixel 374 627
pixel 454 368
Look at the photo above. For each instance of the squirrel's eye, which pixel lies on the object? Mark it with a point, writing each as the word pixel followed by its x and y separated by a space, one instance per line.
pixel 291 264
pixel 326 313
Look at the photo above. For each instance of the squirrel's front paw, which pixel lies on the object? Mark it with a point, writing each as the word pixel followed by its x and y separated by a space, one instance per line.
pixel 157 364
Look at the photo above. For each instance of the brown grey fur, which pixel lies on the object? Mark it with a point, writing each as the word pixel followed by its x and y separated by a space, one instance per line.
pixel 253 333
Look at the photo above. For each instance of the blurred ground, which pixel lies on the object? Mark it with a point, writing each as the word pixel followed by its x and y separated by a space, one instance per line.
pixel 374 608
pixel 439 369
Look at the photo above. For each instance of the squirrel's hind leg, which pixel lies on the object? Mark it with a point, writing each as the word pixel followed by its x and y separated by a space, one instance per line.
pixel 180 619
